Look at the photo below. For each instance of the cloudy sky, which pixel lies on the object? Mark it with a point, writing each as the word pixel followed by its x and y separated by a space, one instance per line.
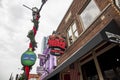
pixel 15 22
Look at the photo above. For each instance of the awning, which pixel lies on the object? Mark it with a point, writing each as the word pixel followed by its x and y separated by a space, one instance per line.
pixel 111 28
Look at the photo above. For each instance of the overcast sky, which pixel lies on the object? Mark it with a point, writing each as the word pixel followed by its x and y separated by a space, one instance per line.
pixel 15 22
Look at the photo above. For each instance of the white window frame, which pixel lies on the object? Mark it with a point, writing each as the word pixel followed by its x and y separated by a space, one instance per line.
pixel 72 32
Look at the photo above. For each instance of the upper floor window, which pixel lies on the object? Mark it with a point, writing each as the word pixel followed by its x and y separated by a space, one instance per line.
pixel 117 3
pixel 89 14
pixel 72 33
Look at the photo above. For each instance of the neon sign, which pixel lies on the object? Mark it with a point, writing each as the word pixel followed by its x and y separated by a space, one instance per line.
pixel 56 44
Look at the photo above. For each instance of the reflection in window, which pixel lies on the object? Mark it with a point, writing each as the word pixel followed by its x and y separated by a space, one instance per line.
pixel 72 34
pixel 89 71
pixel 89 14
pixel 117 3
pixel 75 32
pixel 110 64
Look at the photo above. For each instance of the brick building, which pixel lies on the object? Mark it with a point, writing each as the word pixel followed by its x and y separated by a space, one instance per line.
pixel 92 31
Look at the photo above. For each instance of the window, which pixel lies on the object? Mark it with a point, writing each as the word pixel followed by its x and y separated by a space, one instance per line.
pixel 89 14
pixel 117 3
pixel 89 71
pixel 110 64
pixel 72 33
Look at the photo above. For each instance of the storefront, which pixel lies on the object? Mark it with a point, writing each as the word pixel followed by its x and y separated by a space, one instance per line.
pixel 103 65
pixel 103 62
pixel 98 59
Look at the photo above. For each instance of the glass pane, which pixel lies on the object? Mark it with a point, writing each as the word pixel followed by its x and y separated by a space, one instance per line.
pixel 76 34
pixel 74 27
pixel 110 64
pixel 69 32
pixel 117 2
pixel 71 39
pixel 89 71
pixel 89 14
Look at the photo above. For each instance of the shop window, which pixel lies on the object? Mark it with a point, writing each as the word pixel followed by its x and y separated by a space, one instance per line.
pixel 89 71
pixel 110 64
pixel 72 33
pixel 55 77
pixel 89 14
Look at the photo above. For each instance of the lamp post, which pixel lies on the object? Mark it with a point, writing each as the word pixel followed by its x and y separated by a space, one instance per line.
pixel 28 58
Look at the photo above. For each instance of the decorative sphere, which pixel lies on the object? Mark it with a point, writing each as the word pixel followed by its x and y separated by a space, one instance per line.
pixel 28 58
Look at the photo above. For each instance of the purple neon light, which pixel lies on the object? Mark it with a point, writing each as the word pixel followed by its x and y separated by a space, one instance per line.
pixel 46 51
pixel 50 63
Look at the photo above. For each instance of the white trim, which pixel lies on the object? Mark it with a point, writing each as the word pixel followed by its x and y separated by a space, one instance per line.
pixel 68 17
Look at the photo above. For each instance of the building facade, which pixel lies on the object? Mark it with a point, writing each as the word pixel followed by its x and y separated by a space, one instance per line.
pixel 92 31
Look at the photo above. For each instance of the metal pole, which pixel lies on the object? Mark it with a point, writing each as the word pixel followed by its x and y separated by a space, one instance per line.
pixel 43 2
pixel 27 7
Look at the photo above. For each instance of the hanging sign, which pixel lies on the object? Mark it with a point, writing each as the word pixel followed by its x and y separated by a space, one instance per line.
pixel 43 59
pixel 111 32
pixel 56 45
pixel 113 37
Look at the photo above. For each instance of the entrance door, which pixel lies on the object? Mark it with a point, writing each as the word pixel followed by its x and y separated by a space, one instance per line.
pixel 66 76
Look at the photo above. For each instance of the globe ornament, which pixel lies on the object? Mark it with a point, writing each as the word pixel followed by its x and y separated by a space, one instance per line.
pixel 28 58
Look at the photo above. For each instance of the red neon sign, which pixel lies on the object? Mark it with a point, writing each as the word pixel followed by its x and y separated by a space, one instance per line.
pixel 57 45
